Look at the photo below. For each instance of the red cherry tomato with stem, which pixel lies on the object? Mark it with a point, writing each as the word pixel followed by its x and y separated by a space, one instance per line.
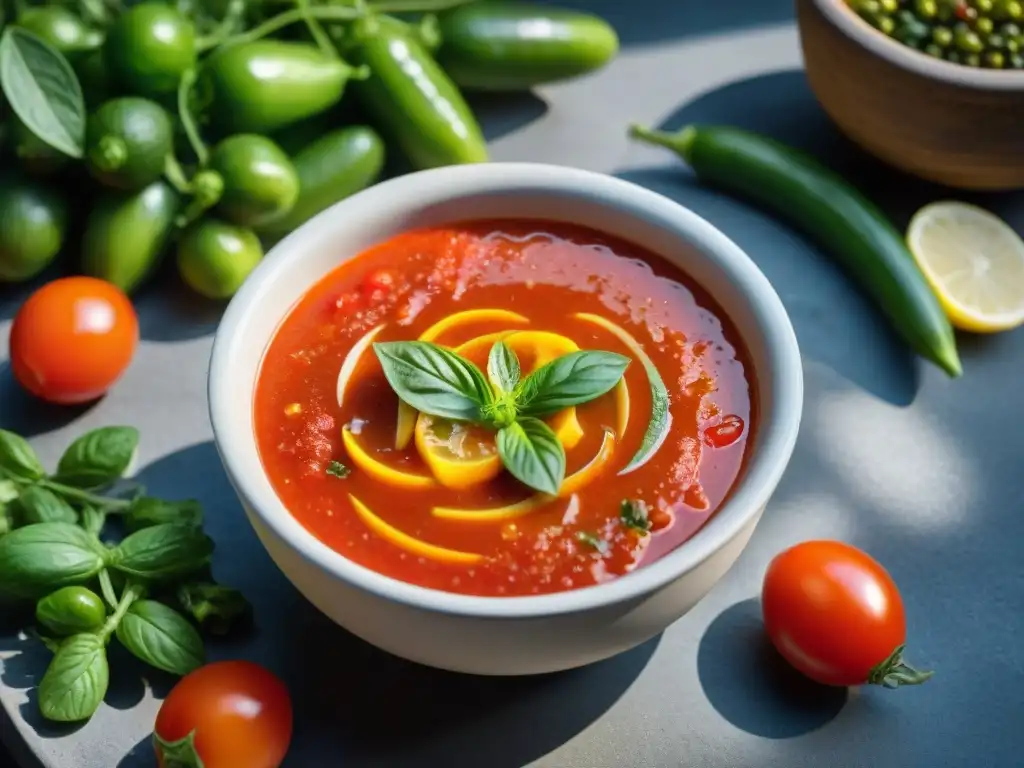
pixel 72 339
pixel 835 614
pixel 229 714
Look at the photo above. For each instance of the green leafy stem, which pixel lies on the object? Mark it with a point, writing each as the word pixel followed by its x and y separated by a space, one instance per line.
pixel 51 551
pixel 436 381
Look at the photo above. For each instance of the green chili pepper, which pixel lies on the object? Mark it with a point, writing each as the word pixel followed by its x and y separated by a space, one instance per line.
pixel 412 99
pixel 263 86
pixel 500 45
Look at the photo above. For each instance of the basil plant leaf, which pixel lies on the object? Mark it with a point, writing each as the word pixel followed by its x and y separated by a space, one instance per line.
pixel 41 505
pixel 18 459
pixel 99 457
pixel 434 380
pixel 92 519
pixel 39 558
pixel 161 637
pixel 163 552
pixel 503 367
pixel 43 90
pixel 572 379
pixel 147 511
pixel 76 680
pixel 217 608
pixel 533 455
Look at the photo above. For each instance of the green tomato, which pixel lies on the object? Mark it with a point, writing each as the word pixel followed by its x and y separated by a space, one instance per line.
pixel 127 142
pixel 149 47
pixel 33 221
pixel 61 28
pixel 260 183
pixel 215 257
pixel 71 610
pixel 126 234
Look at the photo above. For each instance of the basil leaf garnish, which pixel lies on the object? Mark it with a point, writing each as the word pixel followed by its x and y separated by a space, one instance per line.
pixel 76 680
pixel 434 380
pixel 162 552
pixel 147 511
pixel 503 367
pixel 161 637
pixel 17 457
pixel 634 515
pixel 39 558
pixel 572 379
pixel 530 451
pixel 99 457
pixel 39 505
pixel 43 90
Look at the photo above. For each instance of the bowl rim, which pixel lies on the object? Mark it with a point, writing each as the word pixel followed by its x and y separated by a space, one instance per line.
pixel 853 26
pixel 776 435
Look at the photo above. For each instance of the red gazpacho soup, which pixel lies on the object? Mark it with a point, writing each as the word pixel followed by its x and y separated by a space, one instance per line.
pixel 504 408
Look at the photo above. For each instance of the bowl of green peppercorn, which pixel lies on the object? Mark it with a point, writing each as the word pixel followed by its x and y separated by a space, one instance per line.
pixel 933 87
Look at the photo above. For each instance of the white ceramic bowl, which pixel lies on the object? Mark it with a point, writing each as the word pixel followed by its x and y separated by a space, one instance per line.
pixel 515 635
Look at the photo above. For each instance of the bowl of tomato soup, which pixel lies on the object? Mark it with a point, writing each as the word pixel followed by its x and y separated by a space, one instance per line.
pixel 505 418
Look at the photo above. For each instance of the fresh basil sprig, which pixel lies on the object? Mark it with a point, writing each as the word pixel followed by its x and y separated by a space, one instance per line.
pixel 98 457
pixel 40 505
pixel 17 459
pixel 434 380
pixel 441 383
pixel 39 558
pixel 76 680
pixel 162 552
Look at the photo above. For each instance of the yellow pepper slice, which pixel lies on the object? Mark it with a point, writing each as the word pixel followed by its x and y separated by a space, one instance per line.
pixel 587 473
pixel 382 472
pixel 409 543
pixel 458 455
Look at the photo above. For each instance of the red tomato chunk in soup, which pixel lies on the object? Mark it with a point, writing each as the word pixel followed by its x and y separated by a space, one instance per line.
pixel 426 500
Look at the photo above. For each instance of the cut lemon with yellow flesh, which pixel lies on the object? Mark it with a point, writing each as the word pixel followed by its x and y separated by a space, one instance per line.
pixel 459 455
pixel 974 262
pixel 411 544
pixel 380 471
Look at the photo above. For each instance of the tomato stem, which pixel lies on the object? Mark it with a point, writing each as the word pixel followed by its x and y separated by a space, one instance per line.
pixel 178 754
pixel 894 672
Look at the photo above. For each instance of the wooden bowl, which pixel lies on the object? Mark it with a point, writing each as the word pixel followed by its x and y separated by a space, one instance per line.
pixel 944 122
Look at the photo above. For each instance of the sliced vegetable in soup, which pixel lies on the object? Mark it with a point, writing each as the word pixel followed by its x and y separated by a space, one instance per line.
pixel 504 408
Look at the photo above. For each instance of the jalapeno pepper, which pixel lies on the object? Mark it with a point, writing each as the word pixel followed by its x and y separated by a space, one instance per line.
pixel 499 45
pixel 263 86
pixel 412 99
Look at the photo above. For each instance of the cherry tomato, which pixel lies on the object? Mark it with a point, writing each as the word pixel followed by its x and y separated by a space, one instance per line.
pixel 836 615
pixel 229 714
pixel 73 339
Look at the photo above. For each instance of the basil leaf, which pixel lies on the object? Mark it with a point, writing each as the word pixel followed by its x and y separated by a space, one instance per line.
pixel 76 680
pixel 93 520
pixel 163 552
pixel 43 90
pixel 42 557
pixel 98 457
pixel 40 505
pixel 434 380
pixel 8 491
pixel 17 457
pixel 217 608
pixel 503 367
pixel 572 379
pixel 633 514
pixel 532 453
pixel 161 637
pixel 147 511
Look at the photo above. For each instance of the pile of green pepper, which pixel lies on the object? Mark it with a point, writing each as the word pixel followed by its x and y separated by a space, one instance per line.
pixel 215 127
pixel 975 33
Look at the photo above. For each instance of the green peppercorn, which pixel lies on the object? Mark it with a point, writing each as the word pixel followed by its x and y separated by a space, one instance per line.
pixel 984 26
pixel 1013 10
pixel 995 59
pixel 942 36
pixel 972 59
pixel 867 7
pixel 967 40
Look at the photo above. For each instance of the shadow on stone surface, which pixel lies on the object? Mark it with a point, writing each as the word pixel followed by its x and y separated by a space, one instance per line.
pixel 27 415
pixel 752 686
